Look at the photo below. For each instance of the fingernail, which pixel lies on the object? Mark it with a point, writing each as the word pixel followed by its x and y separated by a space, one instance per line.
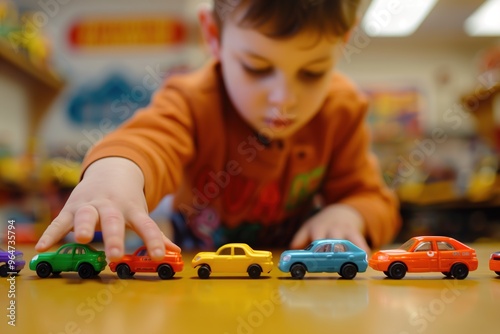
pixel 157 252
pixel 114 253
pixel 82 236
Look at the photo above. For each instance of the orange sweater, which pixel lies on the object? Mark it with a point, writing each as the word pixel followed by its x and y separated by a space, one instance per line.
pixel 192 143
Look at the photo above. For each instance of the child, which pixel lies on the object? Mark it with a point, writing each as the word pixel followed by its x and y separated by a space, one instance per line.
pixel 246 143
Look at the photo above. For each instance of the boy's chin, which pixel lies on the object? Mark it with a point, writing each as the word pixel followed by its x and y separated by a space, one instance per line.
pixel 268 134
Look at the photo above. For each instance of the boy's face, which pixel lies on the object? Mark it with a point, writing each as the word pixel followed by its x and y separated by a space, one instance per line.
pixel 277 85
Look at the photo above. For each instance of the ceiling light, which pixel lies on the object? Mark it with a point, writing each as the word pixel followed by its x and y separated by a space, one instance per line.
pixel 484 21
pixel 391 18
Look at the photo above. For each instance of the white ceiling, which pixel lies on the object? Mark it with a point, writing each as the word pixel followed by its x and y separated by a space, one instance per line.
pixel 443 25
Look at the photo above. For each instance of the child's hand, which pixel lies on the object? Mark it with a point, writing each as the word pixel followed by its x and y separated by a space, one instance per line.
pixel 110 195
pixel 337 221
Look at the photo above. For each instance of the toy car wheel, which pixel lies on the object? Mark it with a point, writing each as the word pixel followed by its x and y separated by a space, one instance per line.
pixel 204 271
pixel 397 270
pixel 387 274
pixel 459 271
pixel 55 273
pixel 298 271
pixel 123 271
pixel 96 272
pixel 3 270
pixel 254 271
pixel 497 272
pixel 446 273
pixel 85 270
pixel 43 269
pixel 348 271
pixel 165 271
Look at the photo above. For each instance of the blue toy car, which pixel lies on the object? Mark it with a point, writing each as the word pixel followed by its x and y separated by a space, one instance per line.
pixel 325 255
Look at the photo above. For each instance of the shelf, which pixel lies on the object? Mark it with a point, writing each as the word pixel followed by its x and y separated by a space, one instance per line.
pixel 18 60
pixel 40 86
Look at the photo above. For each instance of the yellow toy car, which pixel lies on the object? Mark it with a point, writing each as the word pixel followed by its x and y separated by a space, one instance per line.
pixel 233 258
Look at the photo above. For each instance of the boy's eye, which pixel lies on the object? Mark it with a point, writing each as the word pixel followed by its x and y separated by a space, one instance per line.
pixel 310 75
pixel 257 71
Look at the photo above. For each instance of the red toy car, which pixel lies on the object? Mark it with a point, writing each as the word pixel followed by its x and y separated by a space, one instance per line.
pixel 495 262
pixel 426 254
pixel 140 261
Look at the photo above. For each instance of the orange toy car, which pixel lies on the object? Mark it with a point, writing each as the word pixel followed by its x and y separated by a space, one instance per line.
pixel 140 261
pixel 426 254
pixel 495 262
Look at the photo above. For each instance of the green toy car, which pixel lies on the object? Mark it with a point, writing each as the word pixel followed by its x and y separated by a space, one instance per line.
pixel 84 259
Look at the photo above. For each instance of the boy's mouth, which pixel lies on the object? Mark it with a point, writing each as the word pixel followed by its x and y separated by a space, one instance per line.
pixel 278 123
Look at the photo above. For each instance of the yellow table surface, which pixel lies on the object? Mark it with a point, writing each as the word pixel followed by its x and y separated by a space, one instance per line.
pixel 320 303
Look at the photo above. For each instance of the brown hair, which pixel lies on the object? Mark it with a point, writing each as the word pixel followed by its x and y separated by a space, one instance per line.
pixel 284 18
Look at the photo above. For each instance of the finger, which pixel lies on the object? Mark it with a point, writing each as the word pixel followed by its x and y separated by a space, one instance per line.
pixel 169 245
pixel 322 231
pixel 333 233
pixel 85 221
pixel 113 232
pixel 301 238
pixel 360 241
pixel 168 234
pixel 150 233
pixel 57 229
pixel 355 238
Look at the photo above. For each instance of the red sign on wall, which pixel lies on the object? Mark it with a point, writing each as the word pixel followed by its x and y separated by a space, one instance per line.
pixel 126 32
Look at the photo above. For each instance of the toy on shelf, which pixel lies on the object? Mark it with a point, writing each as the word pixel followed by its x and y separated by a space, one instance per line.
pixel 495 263
pixel 233 258
pixel 10 262
pixel 325 255
pixel 426 254
pixel 9 18
pixel 84 259
pixel 140 261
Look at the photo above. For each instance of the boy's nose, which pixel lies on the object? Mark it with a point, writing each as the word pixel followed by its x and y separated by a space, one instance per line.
pixel 282 97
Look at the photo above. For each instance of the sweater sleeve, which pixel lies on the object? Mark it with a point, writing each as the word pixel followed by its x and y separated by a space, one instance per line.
pixel 354 177
pixel 158 138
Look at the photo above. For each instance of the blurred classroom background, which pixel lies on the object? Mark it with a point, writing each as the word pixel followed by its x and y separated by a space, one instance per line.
pixel 71 71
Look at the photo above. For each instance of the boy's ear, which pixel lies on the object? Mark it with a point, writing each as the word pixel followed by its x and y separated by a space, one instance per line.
pixel 348 35
pixel 210 30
